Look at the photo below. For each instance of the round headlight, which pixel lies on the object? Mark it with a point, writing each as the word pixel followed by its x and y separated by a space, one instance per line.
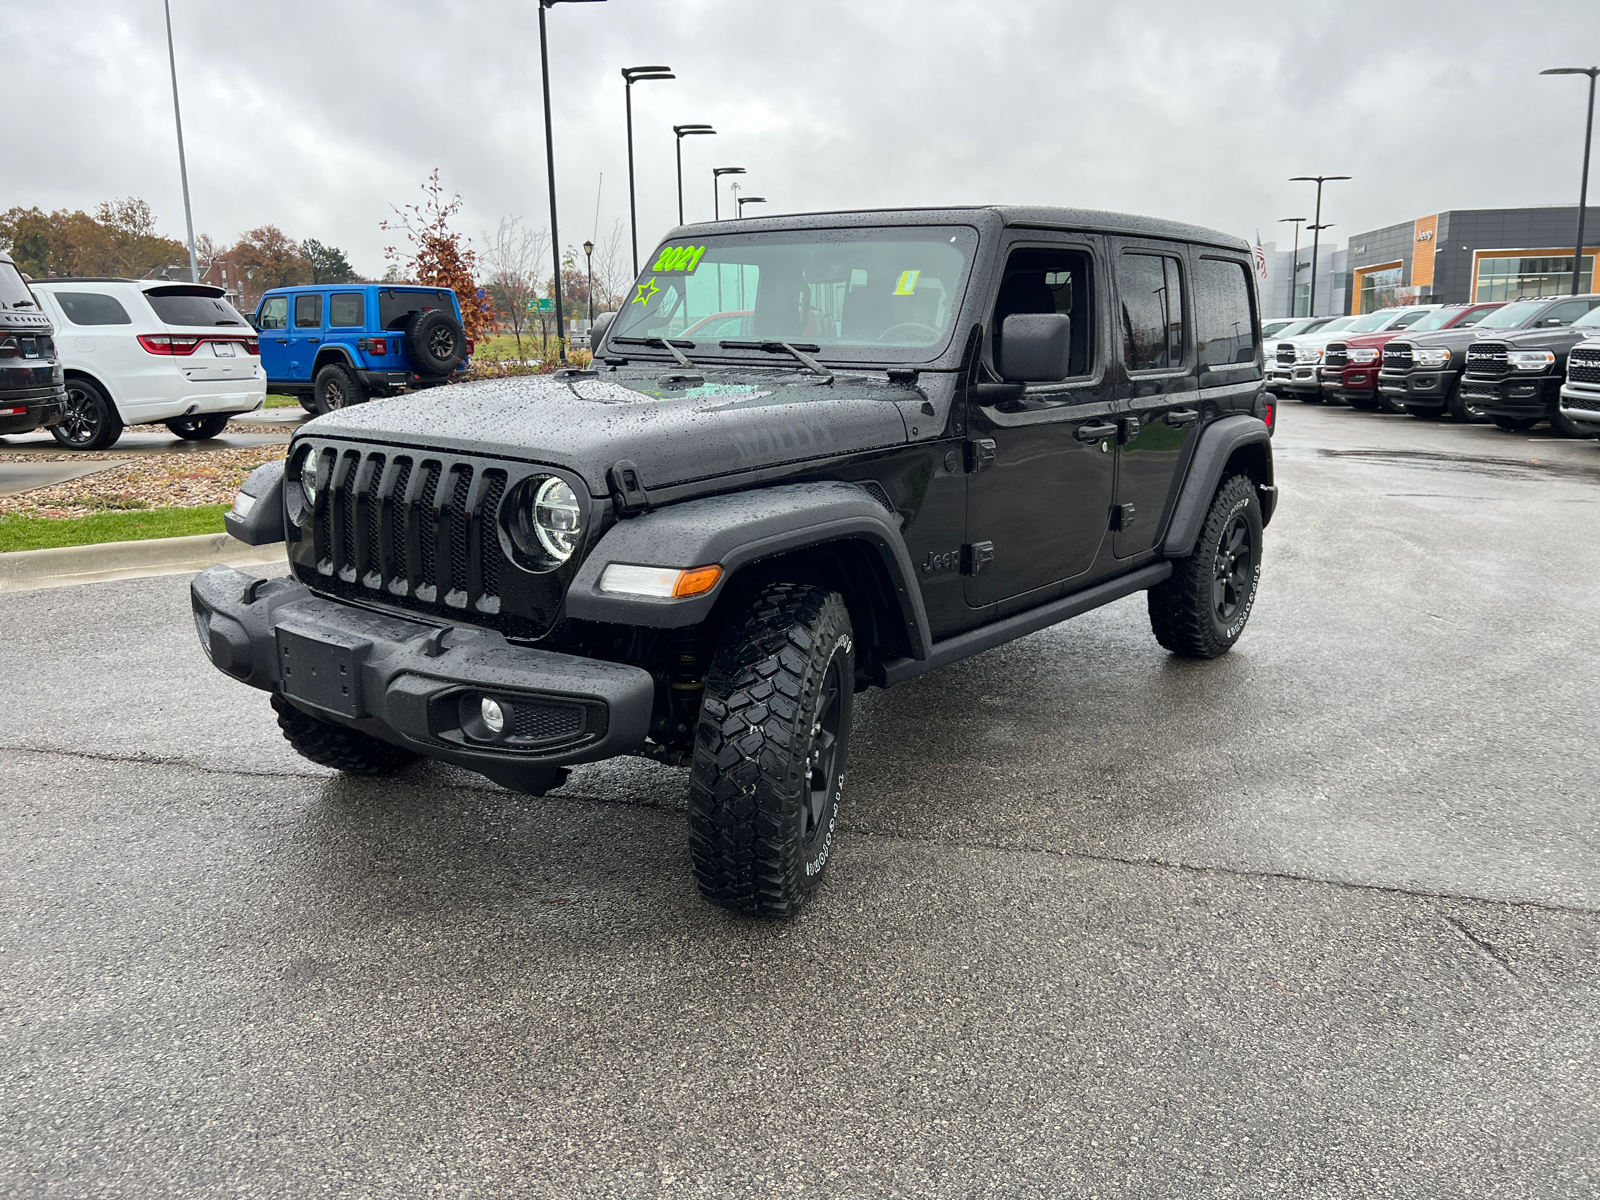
pixel 308 476
pixel 556 519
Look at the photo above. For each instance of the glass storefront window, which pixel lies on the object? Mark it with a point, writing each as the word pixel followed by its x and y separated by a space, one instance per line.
pixel 1529 278
pixel 1380 289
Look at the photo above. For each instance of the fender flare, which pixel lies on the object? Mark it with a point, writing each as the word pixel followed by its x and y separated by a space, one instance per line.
pixel 332 348
pixel 1218 442
pixel 733 531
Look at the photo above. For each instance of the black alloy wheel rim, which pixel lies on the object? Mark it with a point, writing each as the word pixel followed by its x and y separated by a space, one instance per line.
pixel 442 344
pixel 81 421
pixel 1231 578
pixel 823 762
pixel 333 394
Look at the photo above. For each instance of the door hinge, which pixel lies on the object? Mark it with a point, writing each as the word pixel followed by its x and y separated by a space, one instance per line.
pixel 975 556
pixel 627 489
pixel 980 455
pixel 1122 516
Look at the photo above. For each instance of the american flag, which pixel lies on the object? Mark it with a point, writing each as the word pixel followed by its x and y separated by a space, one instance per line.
pixel 1261 256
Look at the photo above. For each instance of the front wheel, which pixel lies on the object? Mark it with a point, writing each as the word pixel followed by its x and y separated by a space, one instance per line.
pixel 770 749
pixel 1462 409
pixel 1567 427
pixel 90 422
pixel 199 429
pixel 330 745
pixel 1200 610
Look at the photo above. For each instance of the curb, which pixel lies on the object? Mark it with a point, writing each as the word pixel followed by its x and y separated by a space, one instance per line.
pixel 24 569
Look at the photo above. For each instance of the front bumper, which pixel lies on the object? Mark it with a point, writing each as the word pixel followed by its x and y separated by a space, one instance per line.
pixel 36 408
pixel 1343 383
pixel 1418 388
pixel 1524 397
pixel 1302 381
pixel 418 685
pixel 1580 402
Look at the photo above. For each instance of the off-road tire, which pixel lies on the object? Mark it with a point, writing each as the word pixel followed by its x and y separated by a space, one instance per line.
pixel 435 342
pixel 1515 424
pixel 765 781
pixel 1567 427
pixel 309 403
pixel 91 421
pixel 199 429
pixel 331 745
pixel 1189 614
pixel 336 388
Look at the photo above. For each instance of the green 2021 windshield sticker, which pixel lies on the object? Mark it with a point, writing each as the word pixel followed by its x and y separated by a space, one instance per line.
pixel 679 258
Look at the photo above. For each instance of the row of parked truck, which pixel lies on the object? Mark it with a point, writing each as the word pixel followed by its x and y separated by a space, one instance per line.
pixel 1515 364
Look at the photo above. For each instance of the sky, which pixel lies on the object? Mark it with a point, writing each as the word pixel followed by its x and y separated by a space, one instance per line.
pixel 319 116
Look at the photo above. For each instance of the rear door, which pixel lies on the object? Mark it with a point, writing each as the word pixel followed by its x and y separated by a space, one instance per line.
pixel 272 323
pixel 305 335
pixel 1157 393
pixel 1042 465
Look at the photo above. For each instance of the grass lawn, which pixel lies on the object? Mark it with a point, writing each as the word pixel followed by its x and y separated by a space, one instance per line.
pixel 41 533
pixel 282 402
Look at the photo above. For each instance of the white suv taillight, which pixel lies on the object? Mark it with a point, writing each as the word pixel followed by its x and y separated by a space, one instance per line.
pixel 169 343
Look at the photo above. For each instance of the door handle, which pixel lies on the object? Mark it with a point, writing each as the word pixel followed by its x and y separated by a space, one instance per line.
pixel 1182 416
pixel 1095 431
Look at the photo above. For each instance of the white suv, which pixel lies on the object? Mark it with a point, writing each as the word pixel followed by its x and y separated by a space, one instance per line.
pixel 138 351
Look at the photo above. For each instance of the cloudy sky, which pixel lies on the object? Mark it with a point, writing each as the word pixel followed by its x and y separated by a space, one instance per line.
pixel 317 116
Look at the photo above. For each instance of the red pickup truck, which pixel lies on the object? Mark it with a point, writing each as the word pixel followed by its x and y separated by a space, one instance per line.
pixel 1349 369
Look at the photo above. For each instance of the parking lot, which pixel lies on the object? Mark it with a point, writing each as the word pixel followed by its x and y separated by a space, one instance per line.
pixel 1318 918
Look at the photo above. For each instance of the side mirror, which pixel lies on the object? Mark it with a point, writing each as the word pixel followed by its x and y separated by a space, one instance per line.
pixel 1035 348
pixel 597 331
pixel 1555 322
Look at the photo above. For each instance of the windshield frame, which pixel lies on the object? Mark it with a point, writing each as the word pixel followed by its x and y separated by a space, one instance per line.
pixel 971 243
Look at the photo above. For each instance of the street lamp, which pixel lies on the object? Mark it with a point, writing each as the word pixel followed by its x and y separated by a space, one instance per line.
pixel 183 167
pixel 716 183
pixel 743 200
pixel 1294 275
pixel 1316 229
pixel 630 76
pixel 682 132
pixel 550 171
pixel 1583 187
pixel 588 254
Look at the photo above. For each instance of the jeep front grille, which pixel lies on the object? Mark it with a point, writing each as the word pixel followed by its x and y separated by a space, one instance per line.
pixel 1583 365
pixel 1487 358
pixel 1397 356
pixel 1336 355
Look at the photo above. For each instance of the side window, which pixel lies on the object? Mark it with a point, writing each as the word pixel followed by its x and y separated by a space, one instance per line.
pixel 1224 329
pixel 1565 314
pixel 308 311
pixel 345 309
pixel 1051 281
pixel 1151 288
pixel 274 313
pixel 92 308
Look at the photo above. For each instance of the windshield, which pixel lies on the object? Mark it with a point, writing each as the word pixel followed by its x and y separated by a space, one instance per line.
pixel 13 291
pixel 1444 316
pixel 873 294
pixel 1371 322
pixel 1512 315
pixel 1592 317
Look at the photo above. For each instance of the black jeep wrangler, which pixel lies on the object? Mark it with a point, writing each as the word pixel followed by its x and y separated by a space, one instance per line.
pixel 941 430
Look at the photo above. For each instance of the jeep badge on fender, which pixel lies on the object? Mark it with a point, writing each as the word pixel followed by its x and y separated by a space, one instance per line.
pixel 815 454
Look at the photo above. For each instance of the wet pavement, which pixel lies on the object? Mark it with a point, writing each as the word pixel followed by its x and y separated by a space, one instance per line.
pixel 1318 918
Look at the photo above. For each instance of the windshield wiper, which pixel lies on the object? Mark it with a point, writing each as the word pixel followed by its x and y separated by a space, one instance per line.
pixel 795 352
pixel 656 343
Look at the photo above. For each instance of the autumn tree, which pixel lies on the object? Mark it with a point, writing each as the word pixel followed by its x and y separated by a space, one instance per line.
pixel 267 257
pixel 512 260
pixel 119 239
pixel 438 256
pixel 328 263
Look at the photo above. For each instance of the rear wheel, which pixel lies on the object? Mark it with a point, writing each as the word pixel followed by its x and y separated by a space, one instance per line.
pixel 90 422
pixel 331 745
pixel 336 388
pixel 199 429
pixel 1515 424
pixel 1200 610
pixel 770 749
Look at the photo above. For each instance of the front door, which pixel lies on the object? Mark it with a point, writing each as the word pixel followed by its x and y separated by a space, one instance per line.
pixel 305 335
pixel 1159 409
pixel 1042 465
pixel 272 324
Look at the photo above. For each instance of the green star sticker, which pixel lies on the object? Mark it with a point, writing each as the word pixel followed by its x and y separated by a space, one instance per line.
pixel 644 296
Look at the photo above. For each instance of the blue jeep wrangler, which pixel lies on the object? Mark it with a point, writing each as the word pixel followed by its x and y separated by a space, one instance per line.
pixel 338 344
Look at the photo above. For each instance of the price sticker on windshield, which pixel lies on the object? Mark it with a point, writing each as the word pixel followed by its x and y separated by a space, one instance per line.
pixel 678 258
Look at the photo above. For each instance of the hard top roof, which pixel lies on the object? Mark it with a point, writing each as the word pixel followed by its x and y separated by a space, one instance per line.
pixel 985 215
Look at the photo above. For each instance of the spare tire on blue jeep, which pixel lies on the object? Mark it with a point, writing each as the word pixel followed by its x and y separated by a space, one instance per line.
pixel 435 342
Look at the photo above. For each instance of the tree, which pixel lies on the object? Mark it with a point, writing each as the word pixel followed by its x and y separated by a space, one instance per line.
pixel 27 235
pixel 120 239
pixel 512 260
pixel 328 263
pixel 439 256
pixel 264 258
pixel 613 273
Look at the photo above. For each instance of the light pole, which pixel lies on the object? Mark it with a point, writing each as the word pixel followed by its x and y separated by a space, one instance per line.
pixel 183 167
pixel 743 200
pixel 716 188
pixel 1294 273
pixel 630 76
pixel 1316 234
pixel 1583 187
pixel 550 170
pixel 588 254
pixel 683 131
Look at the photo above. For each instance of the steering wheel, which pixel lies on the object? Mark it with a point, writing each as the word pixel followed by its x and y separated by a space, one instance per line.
pixel 928 329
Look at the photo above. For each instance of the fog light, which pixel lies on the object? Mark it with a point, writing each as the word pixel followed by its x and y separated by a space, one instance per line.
pixel 494 717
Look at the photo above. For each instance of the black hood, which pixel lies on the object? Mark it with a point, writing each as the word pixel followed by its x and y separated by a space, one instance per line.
pixel 674 431
pixel 1560 337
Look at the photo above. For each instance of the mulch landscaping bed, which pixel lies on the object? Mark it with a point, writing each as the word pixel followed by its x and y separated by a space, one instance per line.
pixel 157 481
